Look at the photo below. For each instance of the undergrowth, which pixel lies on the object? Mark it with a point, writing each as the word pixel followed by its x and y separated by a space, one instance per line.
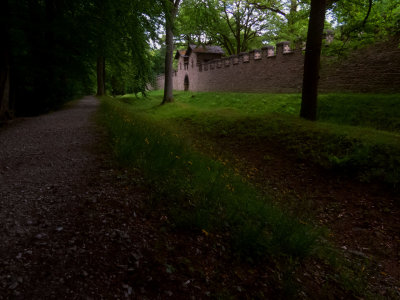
pixel 202 194
pixel 208 195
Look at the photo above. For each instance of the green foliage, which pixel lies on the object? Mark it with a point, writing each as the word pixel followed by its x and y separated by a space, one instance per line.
pixel 120 32
pixel 207 22
pixel 235 25
pixel 55 44
pixel 199 193
pixel 289 20
pixel 259 22
pixel 356 28
pixel 158 60
pixel 378 111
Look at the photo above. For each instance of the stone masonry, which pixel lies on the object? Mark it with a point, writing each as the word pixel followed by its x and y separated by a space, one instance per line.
pixel 280 70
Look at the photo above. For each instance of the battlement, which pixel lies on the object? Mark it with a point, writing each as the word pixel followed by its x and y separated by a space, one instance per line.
pixel 266 52
pixel 279 69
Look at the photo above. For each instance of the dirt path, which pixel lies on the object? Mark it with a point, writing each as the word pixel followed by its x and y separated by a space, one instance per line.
pixel 68 226
pixel 75 226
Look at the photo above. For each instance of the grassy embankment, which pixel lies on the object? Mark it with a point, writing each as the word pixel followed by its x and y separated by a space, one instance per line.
pixel 202 194
pixel 356 134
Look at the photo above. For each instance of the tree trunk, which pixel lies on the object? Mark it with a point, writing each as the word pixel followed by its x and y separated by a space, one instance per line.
pixel 5 86
pixel 4 64
pixel 292 15
pixel 48 60
pixel 312 60
pixel 238 27
pixel 238 45
pixel 171 9
pixel 101 76
pixel 168 82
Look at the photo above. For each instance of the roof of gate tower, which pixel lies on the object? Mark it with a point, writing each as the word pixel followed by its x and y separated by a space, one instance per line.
pixel 205 49
pixel 206 52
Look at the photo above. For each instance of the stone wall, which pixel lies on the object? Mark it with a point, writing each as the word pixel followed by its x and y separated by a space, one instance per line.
pixel 370 70
pixel 373 69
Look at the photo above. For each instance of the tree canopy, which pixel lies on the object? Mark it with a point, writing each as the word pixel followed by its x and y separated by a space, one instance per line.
pixel 235 24
pixel 53 47
pixel 241 25
pixel 355 23
pixel 54 50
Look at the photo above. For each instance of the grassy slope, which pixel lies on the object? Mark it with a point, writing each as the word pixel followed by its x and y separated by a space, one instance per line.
pixel 379 111
pixel 370 150
pixel 204 195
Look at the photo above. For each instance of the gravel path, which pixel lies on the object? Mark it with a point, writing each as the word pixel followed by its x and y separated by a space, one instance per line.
pixel 68 225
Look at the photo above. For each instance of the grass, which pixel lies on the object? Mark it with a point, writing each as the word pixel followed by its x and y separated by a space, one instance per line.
pixel 202 194
pixel 381 112
pixel 375 111
pixel 208 195
pixel 357 135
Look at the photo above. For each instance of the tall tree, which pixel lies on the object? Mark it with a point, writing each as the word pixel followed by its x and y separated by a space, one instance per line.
pixel 4 62
pixel 313 54
pixel 101 74
pixel 244 22
pixel 233 24
pixel 363 22
pixel 103 16
pixel 312 60
pixel 118 33
pixel 52 48
pixel 170 11
pixel 290 18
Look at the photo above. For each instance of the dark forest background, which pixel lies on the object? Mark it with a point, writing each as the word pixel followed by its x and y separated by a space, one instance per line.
pixel 53 51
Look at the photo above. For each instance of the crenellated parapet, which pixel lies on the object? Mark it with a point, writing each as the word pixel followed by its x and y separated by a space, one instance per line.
pixel 279 69
pixel 266 52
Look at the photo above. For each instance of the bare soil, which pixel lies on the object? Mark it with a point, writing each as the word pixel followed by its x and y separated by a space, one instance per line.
pixel 363 218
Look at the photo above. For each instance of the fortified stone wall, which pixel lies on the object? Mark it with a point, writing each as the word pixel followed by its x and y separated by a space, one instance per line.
pixel 374 69
pixel 370 70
